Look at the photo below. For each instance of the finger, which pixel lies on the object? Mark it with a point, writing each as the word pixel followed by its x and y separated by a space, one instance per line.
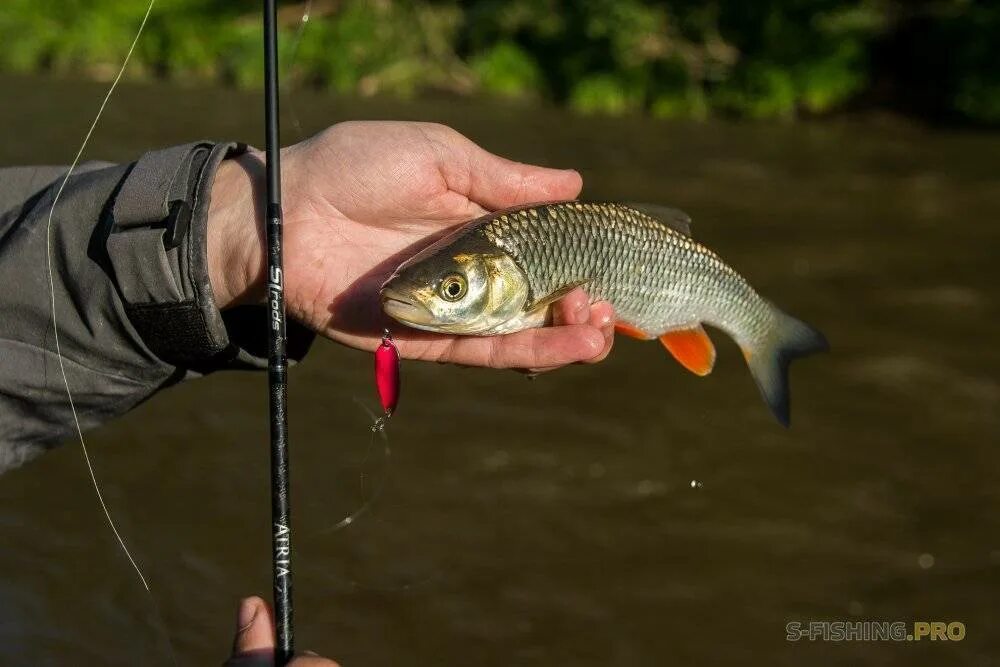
pixel 496 183
pixel 533 348
pixel 254 627
pixel 602 316
pixel 574 308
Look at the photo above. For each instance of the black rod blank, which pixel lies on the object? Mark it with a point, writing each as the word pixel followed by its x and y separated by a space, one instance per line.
pixel 277 364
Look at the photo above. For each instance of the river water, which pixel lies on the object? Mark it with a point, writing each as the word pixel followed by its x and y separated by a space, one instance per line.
pixel 554 522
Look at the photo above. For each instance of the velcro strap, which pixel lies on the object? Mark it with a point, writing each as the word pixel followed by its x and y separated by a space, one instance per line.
pixel 176 332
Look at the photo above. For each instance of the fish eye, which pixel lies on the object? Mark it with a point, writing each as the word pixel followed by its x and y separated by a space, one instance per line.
pixel 453 287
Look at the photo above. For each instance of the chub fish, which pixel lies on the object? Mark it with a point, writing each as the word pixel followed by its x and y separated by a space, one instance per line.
pixel 502 272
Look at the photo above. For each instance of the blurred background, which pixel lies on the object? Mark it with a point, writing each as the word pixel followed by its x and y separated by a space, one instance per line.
pixel 839 154
pixel 670 59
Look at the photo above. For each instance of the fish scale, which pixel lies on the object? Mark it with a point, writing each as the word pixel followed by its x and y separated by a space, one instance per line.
pixel 657 278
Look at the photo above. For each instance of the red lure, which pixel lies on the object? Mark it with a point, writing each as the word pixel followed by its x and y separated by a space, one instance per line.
pixel 387 377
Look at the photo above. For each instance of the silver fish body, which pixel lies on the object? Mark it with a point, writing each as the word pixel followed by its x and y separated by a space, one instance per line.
pixel 500 273
pixel 657 278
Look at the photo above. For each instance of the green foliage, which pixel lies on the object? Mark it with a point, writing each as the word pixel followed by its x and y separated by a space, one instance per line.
pixel 603 93
pixel 691 104
pixel 506 69
pixel 669 58
pixel 64 35
pixel 828 82
pixel 372 47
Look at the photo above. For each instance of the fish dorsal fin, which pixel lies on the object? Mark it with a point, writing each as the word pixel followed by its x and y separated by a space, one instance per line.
pixel 674 218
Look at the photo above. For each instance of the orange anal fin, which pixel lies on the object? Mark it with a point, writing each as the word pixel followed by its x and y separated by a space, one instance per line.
pixel 692 348
pixel 632 331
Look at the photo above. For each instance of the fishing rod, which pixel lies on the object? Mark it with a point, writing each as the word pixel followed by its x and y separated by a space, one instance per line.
pixel 277 362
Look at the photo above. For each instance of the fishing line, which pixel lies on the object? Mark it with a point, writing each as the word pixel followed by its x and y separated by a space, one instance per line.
pixel 293 54
pixel 387 382
pixel 161 625
pixel 378 431
pixel 52 295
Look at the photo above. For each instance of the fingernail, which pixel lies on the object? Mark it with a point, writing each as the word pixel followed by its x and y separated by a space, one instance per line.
pixel 247 614
pixel 606 317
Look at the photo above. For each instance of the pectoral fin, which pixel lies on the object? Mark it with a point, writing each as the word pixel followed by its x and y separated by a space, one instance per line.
pixel 547 300
pixel 692 348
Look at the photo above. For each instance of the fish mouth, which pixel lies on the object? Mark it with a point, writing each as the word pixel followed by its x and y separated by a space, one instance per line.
pixel 397 306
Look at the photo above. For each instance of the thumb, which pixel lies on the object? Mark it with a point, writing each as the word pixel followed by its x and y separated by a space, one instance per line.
pixel 254 627
pixel 497 183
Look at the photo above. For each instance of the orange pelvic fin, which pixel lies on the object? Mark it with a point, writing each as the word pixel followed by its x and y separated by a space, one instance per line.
pixel 632 331
pixel 692 348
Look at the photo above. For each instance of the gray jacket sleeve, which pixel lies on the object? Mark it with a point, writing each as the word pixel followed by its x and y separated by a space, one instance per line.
pixel 119 271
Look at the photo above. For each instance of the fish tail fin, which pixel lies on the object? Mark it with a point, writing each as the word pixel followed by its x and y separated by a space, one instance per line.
pixel 768 360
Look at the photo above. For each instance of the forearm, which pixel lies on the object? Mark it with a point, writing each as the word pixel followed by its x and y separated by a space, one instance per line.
pixel 134 304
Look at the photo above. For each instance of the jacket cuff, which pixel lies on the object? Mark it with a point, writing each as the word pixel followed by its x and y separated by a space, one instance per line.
pixel 158 249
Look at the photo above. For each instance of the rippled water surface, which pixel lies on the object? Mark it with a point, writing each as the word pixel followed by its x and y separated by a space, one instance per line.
pixel 554 522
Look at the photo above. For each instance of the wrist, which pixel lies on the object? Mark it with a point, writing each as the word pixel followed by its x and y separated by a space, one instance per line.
pixel 235 231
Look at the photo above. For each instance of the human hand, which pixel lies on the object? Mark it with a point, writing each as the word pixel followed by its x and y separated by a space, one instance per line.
pixel 361 197
pixel 253 645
